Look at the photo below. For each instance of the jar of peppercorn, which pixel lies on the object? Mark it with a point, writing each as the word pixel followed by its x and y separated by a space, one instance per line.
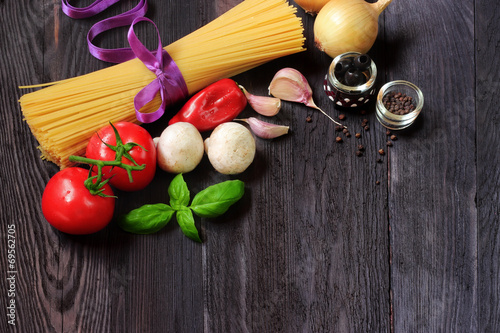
pixel 350 80
pixel 398 104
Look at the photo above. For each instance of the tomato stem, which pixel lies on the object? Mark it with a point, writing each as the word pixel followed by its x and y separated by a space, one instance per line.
pixel 95 184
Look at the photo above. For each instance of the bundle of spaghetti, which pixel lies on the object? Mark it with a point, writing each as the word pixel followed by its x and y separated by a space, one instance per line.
pixel 64 115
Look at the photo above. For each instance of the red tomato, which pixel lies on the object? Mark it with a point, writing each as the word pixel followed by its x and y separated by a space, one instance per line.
pixel 69 207
pixel 129 132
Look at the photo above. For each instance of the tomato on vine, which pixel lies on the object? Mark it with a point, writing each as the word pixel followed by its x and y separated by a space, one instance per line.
pixel 138 149
pixel 69 206
pixel 80 201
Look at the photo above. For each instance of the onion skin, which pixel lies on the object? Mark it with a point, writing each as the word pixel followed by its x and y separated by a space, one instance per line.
pixel 311 6
pixel 345 26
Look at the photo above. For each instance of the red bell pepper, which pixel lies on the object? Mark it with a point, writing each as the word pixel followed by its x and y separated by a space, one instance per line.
pixel 218 103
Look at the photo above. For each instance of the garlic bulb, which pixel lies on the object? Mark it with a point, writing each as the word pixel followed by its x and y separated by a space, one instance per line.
pixel 311 6
pixel 347 25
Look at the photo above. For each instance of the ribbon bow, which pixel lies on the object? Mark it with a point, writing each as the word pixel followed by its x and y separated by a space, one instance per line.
pixel 169 81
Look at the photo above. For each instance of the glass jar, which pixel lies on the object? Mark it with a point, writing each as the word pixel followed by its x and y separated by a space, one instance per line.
pixel 393 120
pixel 350 96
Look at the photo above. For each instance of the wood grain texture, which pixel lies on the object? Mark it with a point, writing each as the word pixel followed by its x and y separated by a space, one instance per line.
pixel 432 183
pixel 323 240
pixel 312 256
pixel 487 119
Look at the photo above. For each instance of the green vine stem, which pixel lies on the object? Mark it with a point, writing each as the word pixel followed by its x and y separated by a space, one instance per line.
pixel 95 184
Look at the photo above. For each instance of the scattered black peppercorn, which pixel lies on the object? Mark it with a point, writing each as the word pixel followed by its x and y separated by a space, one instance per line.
pixel 379 160
pixel 359 153
pixel 341 116
pixel 358 135
pixel 389 144
pixel 377 182
pixel 348 134
pixel 366 128
pixel 338 139
pixel 361 147
pixel 308 119
pixel 381 152
pixel 338 128
pixel 345 130
pixel 393 137
pixel 388 133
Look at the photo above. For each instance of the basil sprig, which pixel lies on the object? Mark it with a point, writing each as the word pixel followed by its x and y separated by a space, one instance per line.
pixel 211 202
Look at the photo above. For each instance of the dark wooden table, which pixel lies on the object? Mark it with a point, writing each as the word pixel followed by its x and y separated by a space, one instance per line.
pixel 322 241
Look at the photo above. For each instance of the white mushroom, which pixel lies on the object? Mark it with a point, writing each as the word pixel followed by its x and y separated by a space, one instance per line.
pixel 180 148
pixel 230 148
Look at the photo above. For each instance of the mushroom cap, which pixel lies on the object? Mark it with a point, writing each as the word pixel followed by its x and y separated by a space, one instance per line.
pixel 180 148
pixel 230 148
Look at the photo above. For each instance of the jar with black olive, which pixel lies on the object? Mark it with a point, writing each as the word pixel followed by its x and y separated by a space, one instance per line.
pixel 350 81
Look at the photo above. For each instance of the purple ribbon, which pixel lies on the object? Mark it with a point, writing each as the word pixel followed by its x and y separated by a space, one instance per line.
pixel 110 55
pixel 169 81
pixel 80 13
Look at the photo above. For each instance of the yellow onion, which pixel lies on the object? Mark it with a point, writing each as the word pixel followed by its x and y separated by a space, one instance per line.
pixel 311 6
pixel 347 25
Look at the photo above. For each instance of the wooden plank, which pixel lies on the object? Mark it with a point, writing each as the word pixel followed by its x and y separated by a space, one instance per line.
pixel 309 252
pixel 36 288
pixel 432 171
pixel 487 84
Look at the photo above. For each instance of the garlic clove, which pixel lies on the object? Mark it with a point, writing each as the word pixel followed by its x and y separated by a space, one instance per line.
pixel 264 105
pixel 264 129
pixel 290 85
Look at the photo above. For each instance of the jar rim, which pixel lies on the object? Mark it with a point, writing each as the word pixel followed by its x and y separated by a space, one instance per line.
pixel 418 92
pixel 350 89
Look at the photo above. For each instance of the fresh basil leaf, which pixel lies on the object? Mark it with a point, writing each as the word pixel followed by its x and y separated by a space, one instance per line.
pixel 215 200
pixel 178 192
pixel 186 222
pixel 147 219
